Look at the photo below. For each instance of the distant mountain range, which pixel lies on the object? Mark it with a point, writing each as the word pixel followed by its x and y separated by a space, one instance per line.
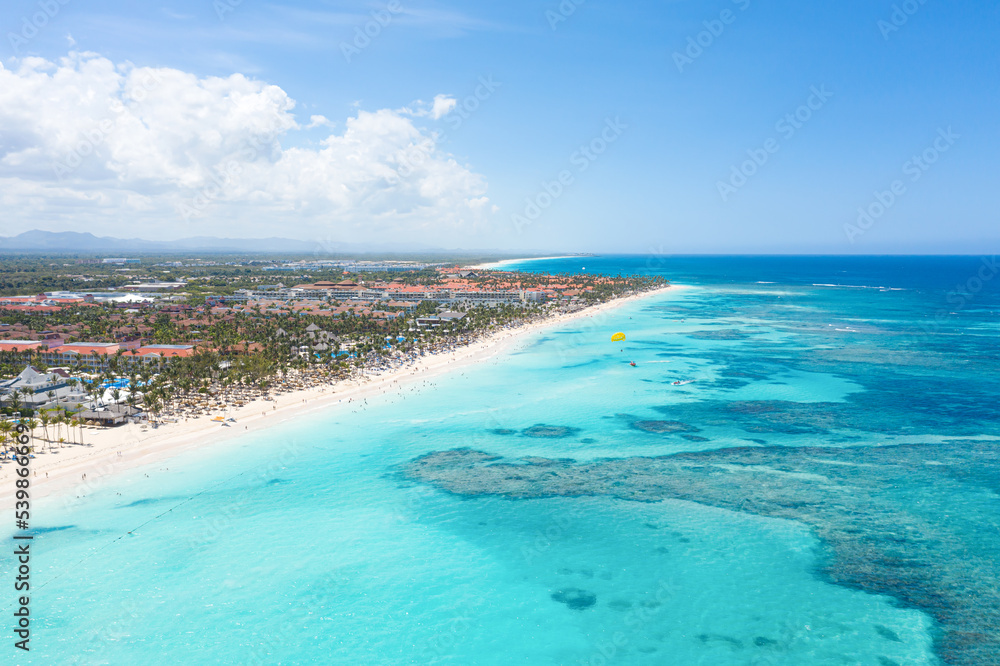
pixel 86 243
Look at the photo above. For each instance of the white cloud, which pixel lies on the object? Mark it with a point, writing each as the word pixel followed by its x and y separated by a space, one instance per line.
pixel 440 107
pixel 88 144
pixel 318 121
pixel 443 105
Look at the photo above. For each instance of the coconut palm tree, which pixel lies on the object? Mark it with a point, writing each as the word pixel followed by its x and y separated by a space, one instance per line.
pixel 59 420
pixel 14 401
pixel 27 393
pixel 151 402
pixel 45 419
pixel 6 427
pixel 95 394
pixel 31 424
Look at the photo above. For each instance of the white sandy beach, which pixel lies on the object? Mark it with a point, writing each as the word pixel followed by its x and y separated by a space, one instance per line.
pixel 506 262
pixel 80 468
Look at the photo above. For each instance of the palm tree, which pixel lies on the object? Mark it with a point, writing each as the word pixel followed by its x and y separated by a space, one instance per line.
pixel 14 401
pixel 31 424
pixel 44 417
pixel 58 420
pixel 27 393
pixel 5 429
pixel 151 402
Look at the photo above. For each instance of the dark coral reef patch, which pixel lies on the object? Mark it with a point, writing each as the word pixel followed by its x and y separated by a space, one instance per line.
pixel 575 598
pixel 550 431
pixel 664 426
pixel 890 516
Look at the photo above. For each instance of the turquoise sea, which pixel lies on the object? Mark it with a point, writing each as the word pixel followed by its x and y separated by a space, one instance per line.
pixel 306 544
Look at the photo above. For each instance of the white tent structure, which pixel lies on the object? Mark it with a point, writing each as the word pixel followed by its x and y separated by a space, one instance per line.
pixel 41 385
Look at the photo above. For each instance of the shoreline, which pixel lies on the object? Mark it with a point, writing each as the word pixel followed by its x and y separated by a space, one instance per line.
pixel 85 467
pixel 494 265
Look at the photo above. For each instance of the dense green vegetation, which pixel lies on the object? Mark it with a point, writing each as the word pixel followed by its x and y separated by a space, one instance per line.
pixel 251 350
pixel 212 273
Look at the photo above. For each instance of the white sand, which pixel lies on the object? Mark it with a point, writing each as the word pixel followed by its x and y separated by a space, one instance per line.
pixel 111 450
pixel 507 262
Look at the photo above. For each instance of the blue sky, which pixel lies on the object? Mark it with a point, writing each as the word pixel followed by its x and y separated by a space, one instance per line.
pixel 661 178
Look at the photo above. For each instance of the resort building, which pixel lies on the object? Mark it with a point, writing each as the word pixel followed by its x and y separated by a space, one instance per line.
pixel 350 291
pixel 90 355
pixel 36 389
pixel 93 356
pixel 440 320
pixel 158 354
pixel 20 345
pixel 53 301
pixel 112 415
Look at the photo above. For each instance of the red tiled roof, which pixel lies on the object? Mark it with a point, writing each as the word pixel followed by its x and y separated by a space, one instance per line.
pixel 165 353
pixel 85 349
pixel 19 345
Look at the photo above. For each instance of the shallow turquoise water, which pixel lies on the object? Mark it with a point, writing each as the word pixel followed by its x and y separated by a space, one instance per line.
pixel 303 545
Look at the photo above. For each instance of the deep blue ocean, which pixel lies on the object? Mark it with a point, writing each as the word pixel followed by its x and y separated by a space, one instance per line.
pixel 304 544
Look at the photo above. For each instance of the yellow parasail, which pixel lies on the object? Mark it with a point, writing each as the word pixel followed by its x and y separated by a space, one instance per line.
pixel 617 337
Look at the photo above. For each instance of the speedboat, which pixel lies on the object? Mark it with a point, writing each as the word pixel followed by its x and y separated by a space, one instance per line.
pixel 682 383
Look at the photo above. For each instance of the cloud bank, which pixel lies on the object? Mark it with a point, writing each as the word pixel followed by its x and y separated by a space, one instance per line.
pixel 88 144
